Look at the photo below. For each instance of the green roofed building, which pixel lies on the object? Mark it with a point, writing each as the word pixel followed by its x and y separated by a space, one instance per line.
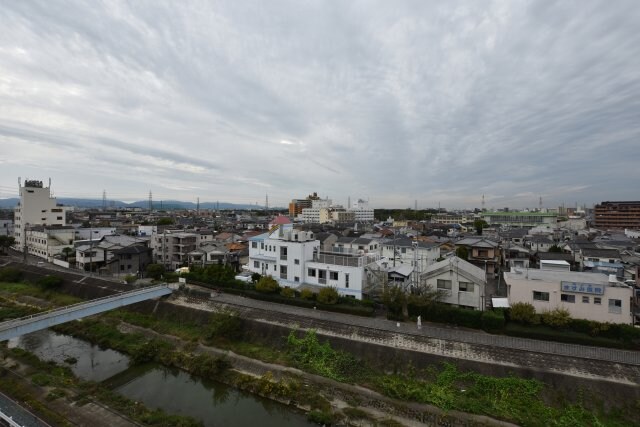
pixel 520 219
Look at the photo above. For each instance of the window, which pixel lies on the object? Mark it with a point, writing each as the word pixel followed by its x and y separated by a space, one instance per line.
pixel 597 300
pixel 615 306
pixel 346 280
pixel 283 252
pixel 261 245
pixel 482 253
pixel 585 300
pixel 283 271
pixel 256 264
pixel 312 272
pixel 567 298
pixel 333 275
pixel 296 261
pixel 540 296
pixel 254 245
pixel 59 218
pixel 296 279
pixel 465 286
pixel 404 250
pixel 444 284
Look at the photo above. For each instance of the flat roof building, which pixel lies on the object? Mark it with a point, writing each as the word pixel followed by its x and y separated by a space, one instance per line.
pixel 617 215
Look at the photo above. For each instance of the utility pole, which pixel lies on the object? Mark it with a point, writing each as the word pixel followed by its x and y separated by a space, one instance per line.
pixel 198 207
pixel 150 202
pixel 90 250
pixel 104 200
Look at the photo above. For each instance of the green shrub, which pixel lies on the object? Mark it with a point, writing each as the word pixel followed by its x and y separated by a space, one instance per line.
pixel 50 282
pixel 267 284
pixel 320 417
pixel 443 313
pixel 255 277
pixel 524 313
pixel 130 278
pixel 226 325
pixel 306 294
pixel 288 293
pixel 328 296
pixel 556 318
pixel 155 271
pixel 10 274
pixel 493 321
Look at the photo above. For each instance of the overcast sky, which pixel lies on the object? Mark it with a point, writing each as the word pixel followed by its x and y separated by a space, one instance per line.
pixel 391 101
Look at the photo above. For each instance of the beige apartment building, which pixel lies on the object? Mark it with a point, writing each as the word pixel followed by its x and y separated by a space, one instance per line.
pixel 590 296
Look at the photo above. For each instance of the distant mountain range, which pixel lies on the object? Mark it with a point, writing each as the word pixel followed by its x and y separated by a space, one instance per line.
pixel 165 204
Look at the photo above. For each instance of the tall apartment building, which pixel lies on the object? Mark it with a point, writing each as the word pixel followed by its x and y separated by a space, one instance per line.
pixel 36 208
pixel 621 215
pixel 318 213
pixel 297 205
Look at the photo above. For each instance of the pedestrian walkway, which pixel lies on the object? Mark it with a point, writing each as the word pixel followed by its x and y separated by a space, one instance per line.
pixel 447 333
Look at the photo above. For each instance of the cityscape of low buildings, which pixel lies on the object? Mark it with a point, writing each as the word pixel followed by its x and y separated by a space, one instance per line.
pixel 322 244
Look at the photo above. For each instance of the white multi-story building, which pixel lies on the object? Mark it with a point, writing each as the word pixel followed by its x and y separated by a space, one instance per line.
pixel 590 296
pixel 36 207
pixel 318 213
pixel 282 254
pixel 344 270
pixel 362 211
pixel 293 258
pixel 410 252
pixel 48 241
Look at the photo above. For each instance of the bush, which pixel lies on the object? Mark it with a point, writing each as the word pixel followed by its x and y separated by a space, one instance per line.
pixel 525 313
pixel 493 321
pixel 320 417
pixel 130 278
pixel 328 296
pixel 155 271
pixel 306 294
pixel 255 277
pixel 50 282
pixel 556 318
pixel 10 274
pixel 267 284
pixel 226 325
pixel 288 293
pixel 443 313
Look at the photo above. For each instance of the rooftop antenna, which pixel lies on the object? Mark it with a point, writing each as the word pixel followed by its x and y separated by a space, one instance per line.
pixel 49 182
pixel 198 206
pixel 349 202
pixel 104 200
pixel 483 202
pixel 415 205
pixel 266 201
pixel 150 201
pixel 19 185
pixel 540 204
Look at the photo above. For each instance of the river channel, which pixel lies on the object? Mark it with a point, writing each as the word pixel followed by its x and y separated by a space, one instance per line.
pixel 173 390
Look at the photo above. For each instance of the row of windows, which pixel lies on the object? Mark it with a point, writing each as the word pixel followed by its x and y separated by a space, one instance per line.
pixel 570 298
pixel 462 286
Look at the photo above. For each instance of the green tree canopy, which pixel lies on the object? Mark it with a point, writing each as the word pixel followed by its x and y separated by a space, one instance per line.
pixel 155 271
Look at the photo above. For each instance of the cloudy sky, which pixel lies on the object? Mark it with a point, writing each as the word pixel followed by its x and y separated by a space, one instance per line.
pixel 394 101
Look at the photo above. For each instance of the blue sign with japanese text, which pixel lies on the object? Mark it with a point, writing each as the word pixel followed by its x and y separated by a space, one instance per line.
pixel 584 288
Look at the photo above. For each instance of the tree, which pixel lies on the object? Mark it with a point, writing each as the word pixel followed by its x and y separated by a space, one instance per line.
pixel 462 252
pixel 556 318
pixel 50 282
pixel 255 277
pixel 267 284
pixel 328 295
pixel 479 224
pixel 306 294
pixel 67 251
pixel 165 221
pixel 6 242
pixel 556 249
pixel 155 271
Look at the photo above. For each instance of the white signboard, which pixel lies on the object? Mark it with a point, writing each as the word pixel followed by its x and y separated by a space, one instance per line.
pixel 583 288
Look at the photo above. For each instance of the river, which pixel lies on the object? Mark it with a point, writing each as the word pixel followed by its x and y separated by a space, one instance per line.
pixel 173 390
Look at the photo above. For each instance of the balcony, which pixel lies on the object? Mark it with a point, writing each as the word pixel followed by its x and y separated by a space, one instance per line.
pixel 322 280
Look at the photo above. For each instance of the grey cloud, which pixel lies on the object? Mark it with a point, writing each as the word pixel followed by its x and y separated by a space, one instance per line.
pixel 396 101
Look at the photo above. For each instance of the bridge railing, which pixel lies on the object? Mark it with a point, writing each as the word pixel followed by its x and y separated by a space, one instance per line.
pixel 84 304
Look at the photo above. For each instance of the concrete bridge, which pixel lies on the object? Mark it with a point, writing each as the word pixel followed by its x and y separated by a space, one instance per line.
pixel 24 325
